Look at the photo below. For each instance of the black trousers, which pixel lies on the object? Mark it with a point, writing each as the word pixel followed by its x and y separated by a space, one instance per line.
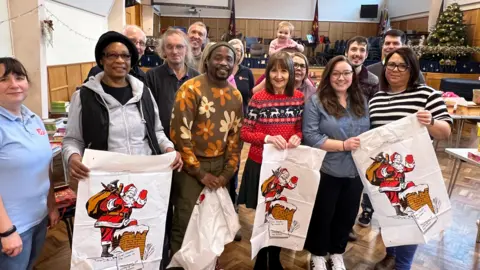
pixel 334 213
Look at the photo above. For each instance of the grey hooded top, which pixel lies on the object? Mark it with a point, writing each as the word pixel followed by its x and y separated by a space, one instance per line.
pixel 127 131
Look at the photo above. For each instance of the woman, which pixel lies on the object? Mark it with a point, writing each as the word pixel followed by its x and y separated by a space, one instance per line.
pixel 333 119
pixel 257 131
pixel 114 112
pixel 243 75
pixel 400 97
pixel 27 201
pixel 302 83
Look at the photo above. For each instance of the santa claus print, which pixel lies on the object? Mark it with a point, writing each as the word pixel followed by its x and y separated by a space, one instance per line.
pixel 389 174
pixel 112 208
pixel 276 203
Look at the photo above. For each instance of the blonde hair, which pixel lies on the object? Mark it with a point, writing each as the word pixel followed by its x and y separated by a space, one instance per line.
pixel 199 23
pixel 203 60
pixel 163 40
pixel 287 25
pixel 237 41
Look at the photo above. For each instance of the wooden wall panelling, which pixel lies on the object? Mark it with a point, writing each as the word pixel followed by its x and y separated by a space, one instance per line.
pixel 323 28
pixel 267 29
pixel 85 68
pixel 57 81
pixel 349 30
pixel 297 32
pixel 156 25
pixel 306 29
pixel 395 25
pixel 336 31
pixel 63 80
pixel 418 24
pixel 222 27
pixel 403 25
pixel 166 22
pixel 213 28
pixel 253 28
pixel 74 78
pixel 241 26
pixel 183 22
pixel 433 79
pixel 470 18
pixel 129 15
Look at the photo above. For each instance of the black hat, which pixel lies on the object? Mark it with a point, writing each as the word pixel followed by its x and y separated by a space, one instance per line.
pixel 110 37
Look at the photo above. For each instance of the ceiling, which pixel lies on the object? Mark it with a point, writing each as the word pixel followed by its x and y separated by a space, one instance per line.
pixel 99 7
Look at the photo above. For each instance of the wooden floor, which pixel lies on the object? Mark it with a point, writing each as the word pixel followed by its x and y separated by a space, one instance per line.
pixel 454 249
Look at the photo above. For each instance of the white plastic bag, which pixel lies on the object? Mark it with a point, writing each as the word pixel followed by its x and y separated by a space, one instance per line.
pixel 400 172
pixel 288 187
pixel 213 224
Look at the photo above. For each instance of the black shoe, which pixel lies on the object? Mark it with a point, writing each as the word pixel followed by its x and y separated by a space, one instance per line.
pixel 352 236
pixel 365 218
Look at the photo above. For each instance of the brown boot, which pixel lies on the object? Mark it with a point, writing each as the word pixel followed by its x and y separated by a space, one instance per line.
pixel 388 263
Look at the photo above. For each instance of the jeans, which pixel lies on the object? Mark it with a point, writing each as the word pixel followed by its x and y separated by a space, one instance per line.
pixel 367 204
pixel 403 256
pixel 32 241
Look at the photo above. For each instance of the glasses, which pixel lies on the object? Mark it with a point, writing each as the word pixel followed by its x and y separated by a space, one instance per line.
pixel 138 42
pixel 345 74
pixel 400 67
pixel 114 56
pixel 300 66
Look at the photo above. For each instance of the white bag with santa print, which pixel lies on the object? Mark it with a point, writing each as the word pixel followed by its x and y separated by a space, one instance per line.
pixel 400 172
pixel 287 190
pixel 121 211
pixel 212 225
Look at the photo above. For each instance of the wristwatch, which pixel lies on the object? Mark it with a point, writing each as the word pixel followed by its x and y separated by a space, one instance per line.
pixel 432 121
pixel 8 232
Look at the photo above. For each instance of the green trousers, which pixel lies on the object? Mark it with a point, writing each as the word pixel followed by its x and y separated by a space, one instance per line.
pixel 185 192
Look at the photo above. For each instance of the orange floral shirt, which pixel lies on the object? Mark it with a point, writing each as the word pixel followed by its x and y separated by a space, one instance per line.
pixel 206 122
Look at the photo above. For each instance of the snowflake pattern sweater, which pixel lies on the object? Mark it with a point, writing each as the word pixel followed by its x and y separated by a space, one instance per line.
pixel 271 115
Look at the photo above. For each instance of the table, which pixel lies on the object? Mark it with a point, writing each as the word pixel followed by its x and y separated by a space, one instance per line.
pixel 460 154
pixel 460 119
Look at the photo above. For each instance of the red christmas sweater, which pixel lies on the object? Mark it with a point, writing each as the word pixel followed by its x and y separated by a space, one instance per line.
pixel 271 115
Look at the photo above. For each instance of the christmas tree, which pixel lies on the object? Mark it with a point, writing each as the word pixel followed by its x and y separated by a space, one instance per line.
pixel 450 29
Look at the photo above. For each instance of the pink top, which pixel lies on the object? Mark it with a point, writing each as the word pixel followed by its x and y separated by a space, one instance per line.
pixel 276 46
pixel 231 80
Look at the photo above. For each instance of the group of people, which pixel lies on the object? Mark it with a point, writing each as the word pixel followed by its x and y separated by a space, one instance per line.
pixel 203 104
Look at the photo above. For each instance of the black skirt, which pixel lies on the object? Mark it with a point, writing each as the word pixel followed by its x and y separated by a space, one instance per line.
pixel 248 194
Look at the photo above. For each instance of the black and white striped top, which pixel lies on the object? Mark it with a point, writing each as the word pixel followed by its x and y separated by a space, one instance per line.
pixel 386 107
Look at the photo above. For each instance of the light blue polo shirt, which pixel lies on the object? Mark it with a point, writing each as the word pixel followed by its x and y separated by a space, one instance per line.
pixel 25 156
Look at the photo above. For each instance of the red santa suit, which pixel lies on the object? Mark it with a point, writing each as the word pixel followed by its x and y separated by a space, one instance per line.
pixel 118 210
pixel 393 176
pixel 276 187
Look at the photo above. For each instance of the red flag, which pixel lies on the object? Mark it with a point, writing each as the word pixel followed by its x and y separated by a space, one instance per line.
pixel 315 24
pixel 232 31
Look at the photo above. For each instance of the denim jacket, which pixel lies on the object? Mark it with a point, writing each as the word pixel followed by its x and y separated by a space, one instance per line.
pixel 318 126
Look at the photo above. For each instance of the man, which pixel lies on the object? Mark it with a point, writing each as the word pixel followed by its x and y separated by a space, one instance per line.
pixel 197 34
pixel 392 40
pixel 357 52
pixel 138 38
pixel 205 128
pixel 165 80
